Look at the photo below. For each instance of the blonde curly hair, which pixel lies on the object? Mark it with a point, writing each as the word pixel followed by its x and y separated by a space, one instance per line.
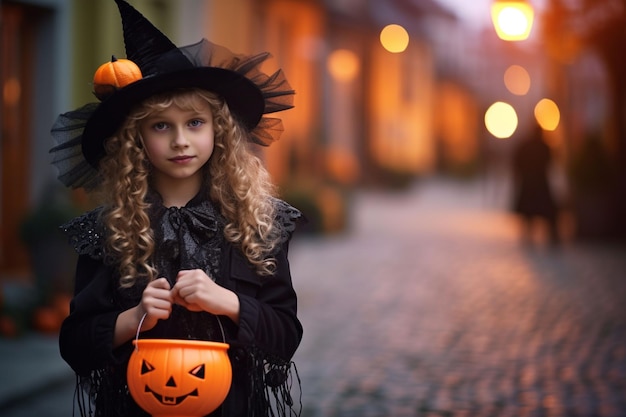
pixel 238 184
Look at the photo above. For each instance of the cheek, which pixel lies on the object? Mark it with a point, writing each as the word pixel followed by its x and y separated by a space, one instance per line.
pixel 207 143
pixel 208 147
pixel 154 148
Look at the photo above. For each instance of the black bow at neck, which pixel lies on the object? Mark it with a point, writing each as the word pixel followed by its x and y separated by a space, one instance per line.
pixel 188 237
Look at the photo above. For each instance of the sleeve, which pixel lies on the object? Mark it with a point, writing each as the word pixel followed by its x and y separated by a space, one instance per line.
pixel 268 304
pixel 86 336
pixel 268 308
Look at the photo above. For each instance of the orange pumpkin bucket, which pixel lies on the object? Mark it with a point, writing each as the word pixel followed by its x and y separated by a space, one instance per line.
pixel 179 378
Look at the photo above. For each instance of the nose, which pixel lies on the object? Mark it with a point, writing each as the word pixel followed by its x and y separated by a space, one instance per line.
pixel 179 140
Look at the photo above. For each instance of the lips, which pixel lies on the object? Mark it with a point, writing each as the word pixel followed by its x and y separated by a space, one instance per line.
pixel 181 159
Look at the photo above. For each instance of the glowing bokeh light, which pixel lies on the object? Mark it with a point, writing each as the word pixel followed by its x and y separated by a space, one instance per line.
pixel 343 65
pixel 517 80
pixel 512 19
pixel 501 120
pixel 547 114
pixel 394 38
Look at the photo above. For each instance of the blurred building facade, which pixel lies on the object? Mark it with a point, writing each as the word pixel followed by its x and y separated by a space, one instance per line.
pixel 344 129
pixel 363 115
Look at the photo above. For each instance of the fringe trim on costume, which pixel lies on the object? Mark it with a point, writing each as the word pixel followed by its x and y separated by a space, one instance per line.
pixel 81 400
pixel 271 383
pixel 113 392
pixel 83 397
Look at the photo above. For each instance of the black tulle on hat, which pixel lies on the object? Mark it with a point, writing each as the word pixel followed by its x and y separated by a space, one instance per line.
pixel 79 135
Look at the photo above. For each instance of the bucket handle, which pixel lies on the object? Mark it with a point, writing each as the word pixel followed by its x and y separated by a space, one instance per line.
pixel 144 317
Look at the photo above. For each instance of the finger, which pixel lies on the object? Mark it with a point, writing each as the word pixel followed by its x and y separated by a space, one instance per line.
pixel 161 296
pixel 159 303
pixel 183 291
pixel 189 274
pixel 160 283
pixel 188 306
pixel 179 300
pixel 154 311
pixel 183 287
pixel 182 274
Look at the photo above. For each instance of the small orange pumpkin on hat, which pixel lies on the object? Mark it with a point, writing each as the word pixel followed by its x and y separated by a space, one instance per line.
pixel 111 76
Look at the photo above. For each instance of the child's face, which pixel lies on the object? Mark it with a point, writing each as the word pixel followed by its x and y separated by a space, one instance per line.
pixel 178 143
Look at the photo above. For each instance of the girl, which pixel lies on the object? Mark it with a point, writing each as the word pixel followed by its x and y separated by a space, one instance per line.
pixel 189 242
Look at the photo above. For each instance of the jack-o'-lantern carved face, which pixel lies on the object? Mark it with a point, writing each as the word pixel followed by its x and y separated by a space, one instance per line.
pixel 172 386
pixel 185 378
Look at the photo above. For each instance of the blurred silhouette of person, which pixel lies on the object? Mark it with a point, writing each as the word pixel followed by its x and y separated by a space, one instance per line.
pixel 533 197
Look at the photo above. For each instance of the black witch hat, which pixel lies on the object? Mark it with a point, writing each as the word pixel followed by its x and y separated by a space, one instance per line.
pixel 80 134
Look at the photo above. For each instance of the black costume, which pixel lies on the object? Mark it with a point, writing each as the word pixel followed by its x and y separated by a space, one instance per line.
pixel 190 237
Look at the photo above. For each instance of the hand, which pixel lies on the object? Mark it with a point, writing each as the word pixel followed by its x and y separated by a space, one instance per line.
pixel 196 291
pixel 156 303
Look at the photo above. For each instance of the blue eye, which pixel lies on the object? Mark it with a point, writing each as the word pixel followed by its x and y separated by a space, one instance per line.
pixel 160 126
pixel 196 123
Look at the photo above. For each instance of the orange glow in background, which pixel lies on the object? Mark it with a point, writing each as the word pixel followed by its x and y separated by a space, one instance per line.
pixel 547 114
pixel 517 80
pixel 394 38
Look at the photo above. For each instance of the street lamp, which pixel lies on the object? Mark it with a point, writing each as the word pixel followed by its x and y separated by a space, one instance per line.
pixel 512 19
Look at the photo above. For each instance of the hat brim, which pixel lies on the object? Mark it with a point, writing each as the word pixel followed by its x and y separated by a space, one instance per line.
pixel 245 101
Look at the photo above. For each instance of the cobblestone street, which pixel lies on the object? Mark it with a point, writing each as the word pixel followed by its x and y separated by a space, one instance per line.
pixel 432 307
